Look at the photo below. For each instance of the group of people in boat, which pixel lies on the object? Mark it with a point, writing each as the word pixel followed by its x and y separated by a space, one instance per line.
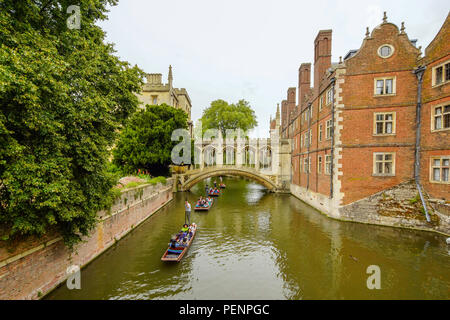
pixel 204 202
pixel 181 239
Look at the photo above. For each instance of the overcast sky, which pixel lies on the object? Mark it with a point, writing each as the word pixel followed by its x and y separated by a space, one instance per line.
pixel 251 49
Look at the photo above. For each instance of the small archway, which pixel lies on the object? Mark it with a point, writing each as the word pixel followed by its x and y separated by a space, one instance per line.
pixel 229 155
pixel 249 156
pixel 209 156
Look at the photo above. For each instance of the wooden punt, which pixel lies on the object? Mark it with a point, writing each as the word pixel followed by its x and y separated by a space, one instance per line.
pixel 223 186
pixel 178 254
pixel 212 194
pixel 204 208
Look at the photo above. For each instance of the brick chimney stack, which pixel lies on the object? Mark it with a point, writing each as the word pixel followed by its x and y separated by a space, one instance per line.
pixel 304 82
pixel 290 103
pixel 322 55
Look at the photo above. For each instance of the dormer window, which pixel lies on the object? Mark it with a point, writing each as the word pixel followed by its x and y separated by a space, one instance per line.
pixel 385 51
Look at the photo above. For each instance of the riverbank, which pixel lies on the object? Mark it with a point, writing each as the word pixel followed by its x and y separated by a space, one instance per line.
pixel 255 244
pixel 32 269
pixel 395 207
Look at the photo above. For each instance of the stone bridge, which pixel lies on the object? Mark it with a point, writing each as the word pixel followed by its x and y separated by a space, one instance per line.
pixel 266 161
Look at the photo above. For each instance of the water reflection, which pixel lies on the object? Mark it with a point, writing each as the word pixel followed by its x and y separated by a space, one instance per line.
pixel 257 245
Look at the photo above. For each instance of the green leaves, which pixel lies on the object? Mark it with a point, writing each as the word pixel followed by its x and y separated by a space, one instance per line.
pixel 221 115
pixel 64 95
pixel 145 142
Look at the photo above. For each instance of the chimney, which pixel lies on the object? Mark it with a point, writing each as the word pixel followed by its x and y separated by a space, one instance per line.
pixel 290 102
pixel 322 55
pixel 304 82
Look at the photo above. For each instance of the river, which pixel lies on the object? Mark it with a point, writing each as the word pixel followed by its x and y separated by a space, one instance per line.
pixel 254 244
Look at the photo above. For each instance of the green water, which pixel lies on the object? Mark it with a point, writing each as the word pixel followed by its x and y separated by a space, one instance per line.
pixel 253 244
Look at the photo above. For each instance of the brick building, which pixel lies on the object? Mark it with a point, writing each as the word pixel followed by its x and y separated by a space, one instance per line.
pixel 366 121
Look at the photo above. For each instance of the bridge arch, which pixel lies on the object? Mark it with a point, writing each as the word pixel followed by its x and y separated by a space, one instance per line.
pixel 202 175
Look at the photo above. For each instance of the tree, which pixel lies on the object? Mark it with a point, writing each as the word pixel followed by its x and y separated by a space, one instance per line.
pixel 221 115
pixel 64 95
pixel 145 142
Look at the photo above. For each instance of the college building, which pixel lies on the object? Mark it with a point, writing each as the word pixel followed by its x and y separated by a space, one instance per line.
pixel 370 136
pixel 154 92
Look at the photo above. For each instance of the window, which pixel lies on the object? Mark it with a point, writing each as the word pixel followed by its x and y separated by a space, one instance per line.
pixel 154 100
pixel 320 132
pixel 311 112
pixel 319 164
pixel 385 51
pixel 300 168
pixel 305 165
pixel 329 96
pixel 328 129
pixel 441 118
pixel 328 164
pixel 384 164
pixel 441 74
pixel 320 103
pixel 301 140
pixel 384 86
pixel 309 165
pixel 310 137
pixel 384 123
pixel 440 169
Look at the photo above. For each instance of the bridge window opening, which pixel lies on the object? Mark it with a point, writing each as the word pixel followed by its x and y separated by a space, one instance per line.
pixel 210 157
pixel 249 157
pixel 265 158
pixel 229 156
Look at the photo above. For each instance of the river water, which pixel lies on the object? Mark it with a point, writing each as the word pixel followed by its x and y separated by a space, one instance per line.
pixel 253 244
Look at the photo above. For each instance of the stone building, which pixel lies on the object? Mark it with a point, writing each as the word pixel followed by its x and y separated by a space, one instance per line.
pixel 154 92
pixel 377 122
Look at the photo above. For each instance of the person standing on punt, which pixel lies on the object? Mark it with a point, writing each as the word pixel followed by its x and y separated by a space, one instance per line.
pixel 187 207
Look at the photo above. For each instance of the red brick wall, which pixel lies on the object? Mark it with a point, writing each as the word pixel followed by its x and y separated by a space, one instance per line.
pixel 44 269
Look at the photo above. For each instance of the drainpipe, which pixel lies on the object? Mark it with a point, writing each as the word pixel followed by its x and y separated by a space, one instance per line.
pixel 309 144
pixel 419 74
pixel 333 81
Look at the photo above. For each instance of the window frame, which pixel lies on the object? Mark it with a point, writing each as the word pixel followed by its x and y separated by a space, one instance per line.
pixel 326 129
pixel 394 86
pixel 319 164
pixel 433 74
pixel 320 132
pixel 329 98
pixel 441 166
pixel 327 163
pixel 385 45
pixel 375 121
pixel 443 113
pixel 374 169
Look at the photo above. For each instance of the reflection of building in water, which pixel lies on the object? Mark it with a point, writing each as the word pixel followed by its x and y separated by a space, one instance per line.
pixel 154 92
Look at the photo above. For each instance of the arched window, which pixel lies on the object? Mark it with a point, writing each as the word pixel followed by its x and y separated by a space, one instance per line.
pixel 265 158
pixel 209 156
pixel 229 155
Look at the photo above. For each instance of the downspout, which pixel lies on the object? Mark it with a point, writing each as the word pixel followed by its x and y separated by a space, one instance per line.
pixel 309 144
pixel 419 74
pixel 333 81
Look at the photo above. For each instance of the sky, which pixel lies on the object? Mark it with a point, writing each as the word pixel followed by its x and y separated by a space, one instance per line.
pixel 251 49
